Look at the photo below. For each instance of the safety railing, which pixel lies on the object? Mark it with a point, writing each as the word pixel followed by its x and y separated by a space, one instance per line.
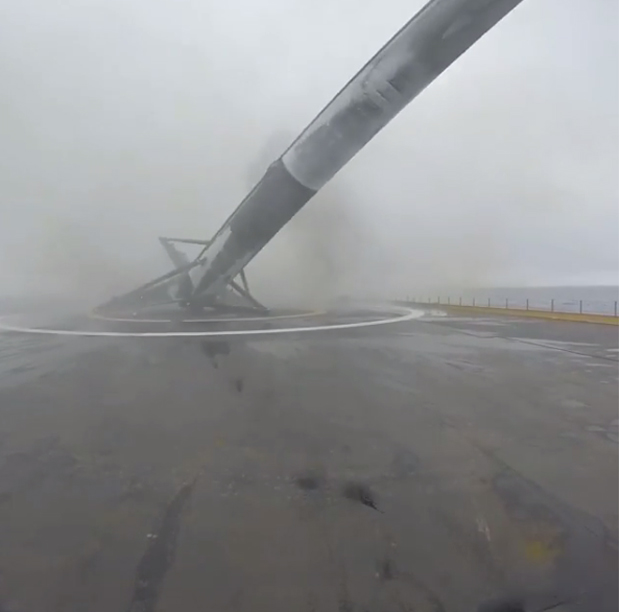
pixel 559 305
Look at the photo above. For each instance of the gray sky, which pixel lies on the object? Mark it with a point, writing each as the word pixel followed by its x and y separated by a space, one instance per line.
pixel 126 119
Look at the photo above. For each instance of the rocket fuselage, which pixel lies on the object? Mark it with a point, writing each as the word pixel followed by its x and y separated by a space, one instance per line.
pixel 433 39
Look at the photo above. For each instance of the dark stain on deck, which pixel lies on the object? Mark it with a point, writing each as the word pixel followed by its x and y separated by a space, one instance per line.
pixel 159 554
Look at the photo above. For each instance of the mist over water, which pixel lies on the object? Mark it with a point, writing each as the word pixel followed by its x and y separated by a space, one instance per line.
pixel 123 121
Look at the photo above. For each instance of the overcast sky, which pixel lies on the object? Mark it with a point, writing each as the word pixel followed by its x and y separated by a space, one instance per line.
pixel 122 120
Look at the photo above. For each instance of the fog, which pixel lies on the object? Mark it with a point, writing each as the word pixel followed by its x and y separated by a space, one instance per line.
pixel 124 120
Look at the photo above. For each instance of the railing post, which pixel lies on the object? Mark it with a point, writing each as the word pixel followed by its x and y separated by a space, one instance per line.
pixel 616 308
pixel 473 301
pixel 580 306
pixel 448 300
pixel 438 301
pixel 506 303
pixel 552 304
pixel 489 303
pixel 527 303
pixel 460 301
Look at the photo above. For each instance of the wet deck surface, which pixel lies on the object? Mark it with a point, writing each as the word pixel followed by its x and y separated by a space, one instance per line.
pixel 428 465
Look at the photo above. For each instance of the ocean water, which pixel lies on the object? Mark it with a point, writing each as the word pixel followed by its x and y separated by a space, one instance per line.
pixel 599 299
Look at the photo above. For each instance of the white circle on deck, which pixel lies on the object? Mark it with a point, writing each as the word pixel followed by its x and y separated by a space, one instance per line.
pixel 407 314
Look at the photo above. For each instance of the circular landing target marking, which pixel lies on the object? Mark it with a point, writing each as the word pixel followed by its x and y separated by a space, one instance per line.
pixel 395 316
